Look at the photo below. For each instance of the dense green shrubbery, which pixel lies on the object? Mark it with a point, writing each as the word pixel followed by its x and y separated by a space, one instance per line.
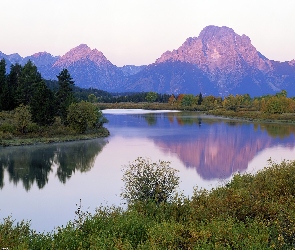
pixel 17 129
pixel 147 181
pixel 250 212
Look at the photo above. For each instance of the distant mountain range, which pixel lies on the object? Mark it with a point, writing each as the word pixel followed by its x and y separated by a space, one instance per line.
pixel 217 62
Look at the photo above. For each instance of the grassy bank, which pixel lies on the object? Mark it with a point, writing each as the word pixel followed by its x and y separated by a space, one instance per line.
pixel 241 114
pixel 254 115
pixel 140 105
pixel 251 212
pixel 34 134
pixel 41 139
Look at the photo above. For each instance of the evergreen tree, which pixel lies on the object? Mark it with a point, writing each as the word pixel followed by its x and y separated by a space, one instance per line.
pixel 28 78
pixel 200 99
pixel 6 98
pixel 64 94
pixel 42 104
pixel 12 83
pixel 2 81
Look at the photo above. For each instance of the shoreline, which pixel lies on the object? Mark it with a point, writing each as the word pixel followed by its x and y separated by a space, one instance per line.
pixel 16 142
pixel 243 116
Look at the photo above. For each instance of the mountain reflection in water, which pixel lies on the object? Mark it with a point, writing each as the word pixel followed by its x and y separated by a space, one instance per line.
pixel 215 147
pixel 43 183
pixel 31 164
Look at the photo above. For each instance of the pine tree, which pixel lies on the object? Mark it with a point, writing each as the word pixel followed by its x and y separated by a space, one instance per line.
pixel 64 94
pixel 42 104
pixel 28 77
pixel 2 71
pixel 12 83
pixel 200 99
pixel 2 81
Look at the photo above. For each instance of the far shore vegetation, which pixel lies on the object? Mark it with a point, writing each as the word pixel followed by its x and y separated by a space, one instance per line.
pixel 269 108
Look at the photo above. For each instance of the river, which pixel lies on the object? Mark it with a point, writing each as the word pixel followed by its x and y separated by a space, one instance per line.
pixel 44 183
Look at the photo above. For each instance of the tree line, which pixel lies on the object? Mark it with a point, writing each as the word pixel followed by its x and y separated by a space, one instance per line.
pixel 35 100
pixel 24 86
pixel 271 104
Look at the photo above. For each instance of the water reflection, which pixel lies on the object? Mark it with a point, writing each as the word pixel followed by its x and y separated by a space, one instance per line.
pixel 215 147
pixel 33 164
pixel 278 130
pixel 204 149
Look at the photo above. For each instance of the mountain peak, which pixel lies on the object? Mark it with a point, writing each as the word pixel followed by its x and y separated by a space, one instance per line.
pixel 82 53
pixel 212 31
pixel 41 54
pixel 219 52
pixel 83 46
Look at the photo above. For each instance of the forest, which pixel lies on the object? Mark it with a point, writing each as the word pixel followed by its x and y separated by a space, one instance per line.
pixel 31 111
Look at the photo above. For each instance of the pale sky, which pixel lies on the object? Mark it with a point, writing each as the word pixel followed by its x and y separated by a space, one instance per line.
pixel 138 31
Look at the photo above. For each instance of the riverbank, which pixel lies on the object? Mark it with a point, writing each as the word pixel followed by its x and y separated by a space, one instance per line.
pixel 250 212
pixel 19 141
pixel 19 132
pixel 58 133
pixel 242 114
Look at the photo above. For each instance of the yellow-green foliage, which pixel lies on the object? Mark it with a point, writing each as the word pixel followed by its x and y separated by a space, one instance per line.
pixel 16 128
pixel 250 212
pixel 149 181
pixel 83 116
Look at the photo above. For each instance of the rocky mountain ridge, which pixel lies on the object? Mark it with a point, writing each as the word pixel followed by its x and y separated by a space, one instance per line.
pixel 218 62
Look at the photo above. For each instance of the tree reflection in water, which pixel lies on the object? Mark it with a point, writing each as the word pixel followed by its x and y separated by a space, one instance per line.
pixel 31 164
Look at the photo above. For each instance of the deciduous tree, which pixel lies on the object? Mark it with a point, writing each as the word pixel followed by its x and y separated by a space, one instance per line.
pixel 147 181
pixel 83 116
pixel 188 100
pixel 23 118
pixel 151 96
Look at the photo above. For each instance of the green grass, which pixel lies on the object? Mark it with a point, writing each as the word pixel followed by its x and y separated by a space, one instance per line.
pixel 57 132
pixel 242 114
pixel 250 212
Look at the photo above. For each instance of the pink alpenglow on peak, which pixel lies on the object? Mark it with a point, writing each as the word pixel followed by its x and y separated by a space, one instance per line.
pixel 82 52
pixel 219 50
pixel 39 54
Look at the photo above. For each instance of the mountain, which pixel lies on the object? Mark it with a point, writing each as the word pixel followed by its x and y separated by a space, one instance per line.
pixel 90 69
pixel 129 70
pixel 228 61
pixel 44 62
pixel 217 62
pixel 172 78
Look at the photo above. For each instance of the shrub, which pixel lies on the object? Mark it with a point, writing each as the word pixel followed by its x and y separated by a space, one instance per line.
pixel 149 181
pixel 83 116
pixel 23 118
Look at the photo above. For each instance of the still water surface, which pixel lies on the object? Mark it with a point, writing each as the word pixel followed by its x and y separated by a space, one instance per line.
pixel 44 183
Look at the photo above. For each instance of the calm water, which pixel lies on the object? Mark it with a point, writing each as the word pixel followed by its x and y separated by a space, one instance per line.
pixel 44 183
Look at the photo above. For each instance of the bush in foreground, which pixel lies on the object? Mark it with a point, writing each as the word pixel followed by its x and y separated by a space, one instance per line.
pixel 147 181
pixel 250 212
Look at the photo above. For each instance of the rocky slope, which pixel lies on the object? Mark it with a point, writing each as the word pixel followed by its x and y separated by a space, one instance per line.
pixel 217 62
pixel 90 69
pixel 230 62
